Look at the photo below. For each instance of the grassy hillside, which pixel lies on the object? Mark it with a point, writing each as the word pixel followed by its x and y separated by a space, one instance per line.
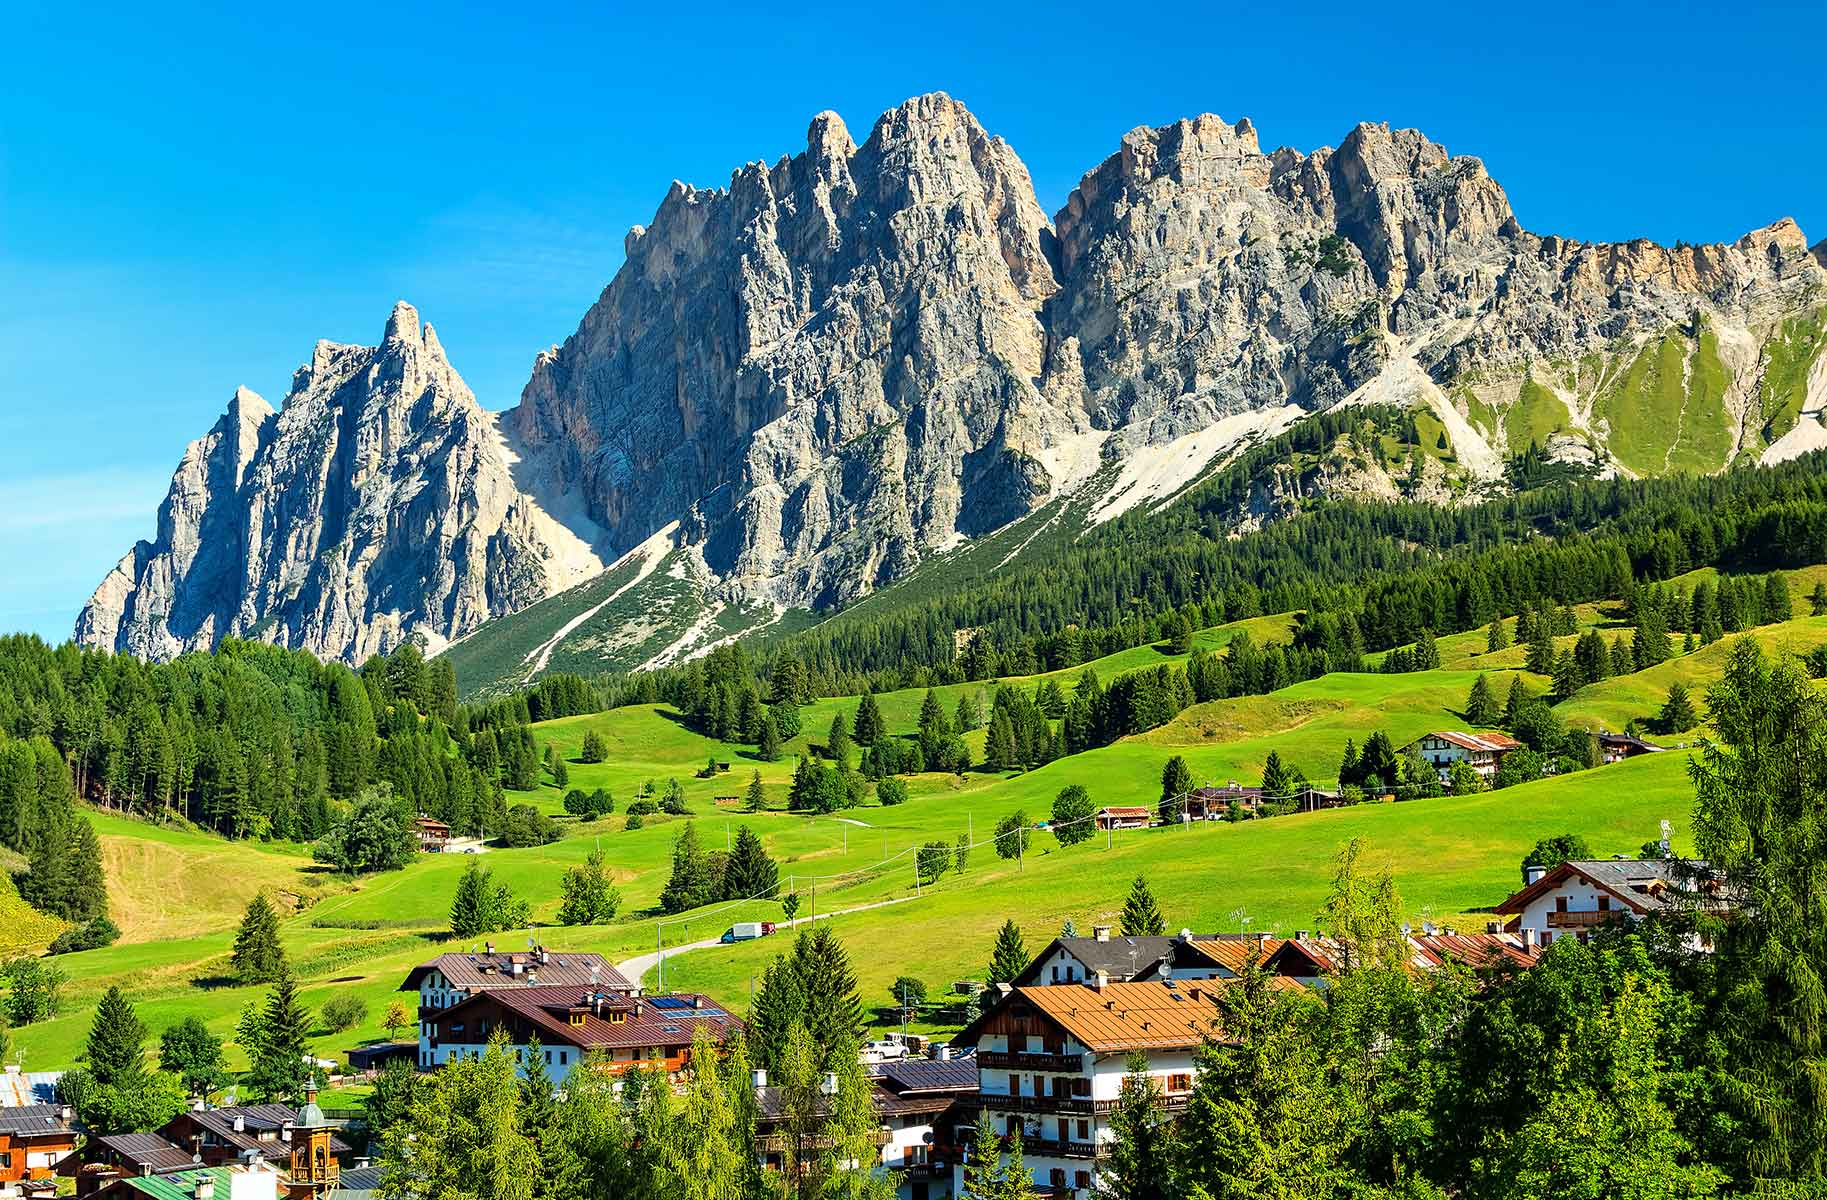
pixel 177 894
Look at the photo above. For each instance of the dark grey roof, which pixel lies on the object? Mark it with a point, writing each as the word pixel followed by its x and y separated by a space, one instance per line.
pixel 913 1075
pixel 147 1150
pixel 1651 882
pixel 357 1183
pixel 32 1118
pixel 1122 958
pixel 480 971
pixel 255 1119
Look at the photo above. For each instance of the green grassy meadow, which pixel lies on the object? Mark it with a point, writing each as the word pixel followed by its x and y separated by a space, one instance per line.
pixel 178 894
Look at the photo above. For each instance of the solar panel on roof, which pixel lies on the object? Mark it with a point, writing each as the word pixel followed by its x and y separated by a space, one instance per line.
pixel 670 1002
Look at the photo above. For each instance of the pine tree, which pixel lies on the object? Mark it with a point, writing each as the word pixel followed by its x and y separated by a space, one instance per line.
pixel 258 957
pixel 850 1153
pixel 768 748
pixel 837 742
pixel 1176 782
pixel 87 890
pixel 1650 645
pixel 1777 605
pixel 1427 652
pixel 281 1065
pixel 999 752
pixel 1141 915
pixel 1481 706
pixel 1514 702
pixel 1010 956
pixel 1678 711
pixel 1275 778
pixel 1540 660
pixel 700 1157
pixel 749 872
pixel 1497 637
pixel 690 884
pixel 1817 600
pixel 1622 661
pixel 117 1042
pixel 595 749
pixel 469 907
pixel 868 728
pixel 757 797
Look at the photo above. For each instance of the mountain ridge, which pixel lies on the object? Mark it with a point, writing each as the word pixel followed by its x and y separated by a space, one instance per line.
pixel 863 356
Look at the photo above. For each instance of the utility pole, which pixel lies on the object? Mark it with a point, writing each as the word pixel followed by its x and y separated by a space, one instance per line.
pixel 660 949
pixel 916 876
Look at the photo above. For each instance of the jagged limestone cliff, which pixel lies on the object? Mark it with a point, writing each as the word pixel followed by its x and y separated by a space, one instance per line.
pixel 802 386
pixel 377 504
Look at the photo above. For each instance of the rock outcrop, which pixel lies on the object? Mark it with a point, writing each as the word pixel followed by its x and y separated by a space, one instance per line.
pixel 842 364
pixel 376 505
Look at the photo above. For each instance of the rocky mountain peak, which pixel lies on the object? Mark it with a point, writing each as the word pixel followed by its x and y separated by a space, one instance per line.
pixel 811 380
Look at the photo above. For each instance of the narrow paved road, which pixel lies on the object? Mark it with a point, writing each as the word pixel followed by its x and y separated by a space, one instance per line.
pixel 636 968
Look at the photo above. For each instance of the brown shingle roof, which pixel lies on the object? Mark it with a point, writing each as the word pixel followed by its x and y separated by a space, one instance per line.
pixel 668 1020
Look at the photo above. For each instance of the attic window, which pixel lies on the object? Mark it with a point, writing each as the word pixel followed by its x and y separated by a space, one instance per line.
pixel 577 1019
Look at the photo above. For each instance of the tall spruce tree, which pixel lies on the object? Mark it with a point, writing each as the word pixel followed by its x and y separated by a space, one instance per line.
pixel 1481 706
pixel 276 1039
pixel 1009 958
pixel 1141 915
pixel 1176 782
pixel 749 871
pixel 258 956
pixel 1141 1162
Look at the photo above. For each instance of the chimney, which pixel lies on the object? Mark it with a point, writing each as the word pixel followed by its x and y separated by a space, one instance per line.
pixel 206 1188
pixel 1300 935
pixel 1531 940
pixel 1101 980
pixel 1427 928
pixel 1449 931
pixel 1491 927
pixel 697 1001
pixel 828 1086
pixel 532 977
pixel 488 947
pixel 1186 935
pixel 943 1052
pixel 1101 932
pixel 240 1123
pixel 761 1078
pixel 1533 875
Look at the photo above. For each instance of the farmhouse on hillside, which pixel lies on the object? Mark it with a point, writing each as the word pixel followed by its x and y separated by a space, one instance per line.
pixel 1576 898
pixel 1483 752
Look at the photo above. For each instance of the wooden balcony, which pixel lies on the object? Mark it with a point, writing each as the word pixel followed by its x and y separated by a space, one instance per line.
pixel 1081 1106
pixel 1071 1064
pixel 1585 920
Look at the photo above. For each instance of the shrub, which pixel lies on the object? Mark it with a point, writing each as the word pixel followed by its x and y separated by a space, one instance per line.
pixel 344 1011
pixel 891 791
pixel 634 819
pixel 91 935
pixel 527 826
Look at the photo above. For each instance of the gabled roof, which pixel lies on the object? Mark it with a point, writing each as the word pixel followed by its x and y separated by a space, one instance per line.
pixel 1497 742
pixel 1644 885
pixel 147 1150
pixel 1631 740
pixel 1480 951
pixel 255 1120
pixel 1122 958
pixel 668 1020
pixel 33 1120
pixel 481 970
pixel 1127 1016
pixel 1233 952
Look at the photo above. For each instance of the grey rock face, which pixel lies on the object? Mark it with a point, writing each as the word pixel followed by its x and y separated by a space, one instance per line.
pixel 831 363
pixel 375 506
pixel 861 355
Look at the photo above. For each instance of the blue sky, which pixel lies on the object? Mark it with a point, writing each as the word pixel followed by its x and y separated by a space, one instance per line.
pixel 191 196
